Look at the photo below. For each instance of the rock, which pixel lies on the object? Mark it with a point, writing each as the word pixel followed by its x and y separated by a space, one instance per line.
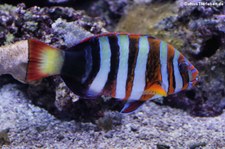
pixel 162 146
pixel 156 19
pixel 45 25
pixel 208 39
pixel 70 32
pixel 197 145
pixel 134 128
pixel 28 125
pixel 109 120
pixel 4 138
pixel 59 1
pixel 118 7
pixel 109 135
pixel 13 60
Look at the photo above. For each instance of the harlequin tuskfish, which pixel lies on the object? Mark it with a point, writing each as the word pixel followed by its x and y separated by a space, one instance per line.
pixel 129 67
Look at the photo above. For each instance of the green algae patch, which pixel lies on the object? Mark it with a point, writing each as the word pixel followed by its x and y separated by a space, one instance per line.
pixel 146 19
pixel 9 38
pixel 7 8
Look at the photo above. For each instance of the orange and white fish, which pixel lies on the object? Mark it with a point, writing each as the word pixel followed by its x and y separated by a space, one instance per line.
pixel 129 67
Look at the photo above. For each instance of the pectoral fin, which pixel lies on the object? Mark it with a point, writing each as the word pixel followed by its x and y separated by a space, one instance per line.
pixel 155 89
pixel 131 106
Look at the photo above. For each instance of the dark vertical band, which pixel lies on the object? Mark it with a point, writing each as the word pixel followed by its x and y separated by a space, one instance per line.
pixel 153 66
pixel 95 52
pixel 171 78
pixel 110 85
pixel 133 53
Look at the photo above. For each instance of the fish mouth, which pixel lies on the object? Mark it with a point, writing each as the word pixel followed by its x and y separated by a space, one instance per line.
pixel 193 75
pixel 192 83
pixel 195 78
pixel 195 81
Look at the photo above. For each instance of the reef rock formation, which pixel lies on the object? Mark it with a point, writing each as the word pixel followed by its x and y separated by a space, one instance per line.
pixel 13 60
pixel 57 26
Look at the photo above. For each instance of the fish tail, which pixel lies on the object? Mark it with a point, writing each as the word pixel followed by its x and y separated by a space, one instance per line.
pixel 43 60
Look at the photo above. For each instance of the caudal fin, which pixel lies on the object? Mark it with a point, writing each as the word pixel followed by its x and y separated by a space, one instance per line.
pixel 43 60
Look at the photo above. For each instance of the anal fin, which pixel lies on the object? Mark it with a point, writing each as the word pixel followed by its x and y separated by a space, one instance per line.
pixel 131 106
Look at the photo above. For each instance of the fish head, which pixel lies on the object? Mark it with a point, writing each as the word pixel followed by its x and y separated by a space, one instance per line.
pixel 189 73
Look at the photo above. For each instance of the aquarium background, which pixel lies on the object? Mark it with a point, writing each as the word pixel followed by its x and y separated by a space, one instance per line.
pixel 47 114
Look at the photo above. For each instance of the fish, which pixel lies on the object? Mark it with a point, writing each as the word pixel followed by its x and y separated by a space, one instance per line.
pixel 133 68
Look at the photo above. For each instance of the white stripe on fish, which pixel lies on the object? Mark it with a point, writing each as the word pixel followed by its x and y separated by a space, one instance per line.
pixel 101 78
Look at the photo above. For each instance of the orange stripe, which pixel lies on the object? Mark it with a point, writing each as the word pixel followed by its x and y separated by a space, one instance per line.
pixel 133 53
pixel 110 90
pixel 135 37
pixel 113 88
pixel 170 69
pixel 184 74
pixel 129 87
pixel 147 96
pixel 153 72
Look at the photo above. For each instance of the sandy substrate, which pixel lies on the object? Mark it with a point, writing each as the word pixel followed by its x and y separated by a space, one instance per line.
pixel 23 125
